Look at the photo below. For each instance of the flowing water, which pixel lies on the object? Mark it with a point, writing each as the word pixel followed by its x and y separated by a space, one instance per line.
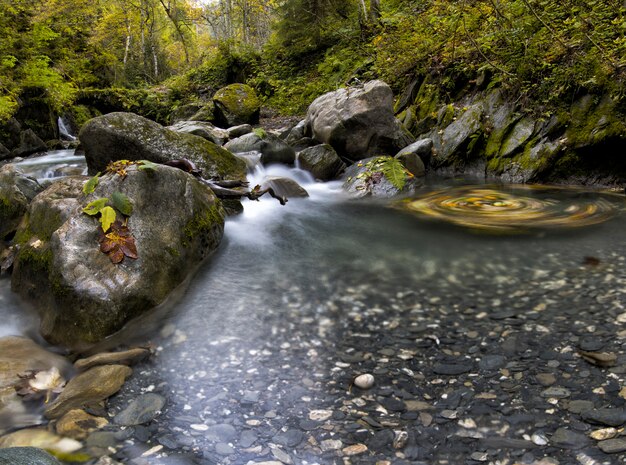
pixel 256 336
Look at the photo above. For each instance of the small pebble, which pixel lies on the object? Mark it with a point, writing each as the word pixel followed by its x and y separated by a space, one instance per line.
pixel 364 381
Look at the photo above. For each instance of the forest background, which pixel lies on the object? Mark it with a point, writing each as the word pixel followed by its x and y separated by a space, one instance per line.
pixel 153 56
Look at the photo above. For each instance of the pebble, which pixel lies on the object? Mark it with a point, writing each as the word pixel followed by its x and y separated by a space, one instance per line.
pixel 141 410
pixel 605 416
pixel 564 437
pixel 539 439
pixel 451 369
pixel 613 446
pixel 479 456
pixel 556 393
pixel 331 444
pixel 355 449
pixel 364 381
pixel 603 434
pixel 545 379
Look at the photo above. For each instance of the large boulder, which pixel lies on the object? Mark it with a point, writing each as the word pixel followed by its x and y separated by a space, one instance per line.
pixel 357 122
pixel 127 136
pixel 82 296
pixel 236 104
pixel 29 143
pixel 16 192
pixel 203 129
pixel 382 177
pixel 321 161
pixel 271 147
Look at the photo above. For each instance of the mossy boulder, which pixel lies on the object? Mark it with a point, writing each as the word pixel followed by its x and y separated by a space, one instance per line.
pixel 321 161
pixel 236 104
pixel 357 122
pixel 127 136
pixel 382 177
pixel 16 192
pixel 81 296
pixel 203 129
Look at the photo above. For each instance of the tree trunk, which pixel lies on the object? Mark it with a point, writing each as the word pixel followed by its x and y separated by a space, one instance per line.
pixel 374 10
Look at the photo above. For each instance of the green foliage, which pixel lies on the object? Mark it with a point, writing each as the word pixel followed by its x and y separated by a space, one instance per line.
pixel 107 218
pixel 395 172
pixel 122 203
pixel 94 207
pixel 90 185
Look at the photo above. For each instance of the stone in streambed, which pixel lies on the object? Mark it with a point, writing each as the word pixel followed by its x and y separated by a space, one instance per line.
pixel 16 192
pixel 41 438
pixel 271 147
pixel 365 381
pixel 451 369
pixel 141 410
pixel 321 161
pixel 613 446
pixel 77 424
pixel 26 456
pixel 568 439
pixel 90 387
pixel 126 357
pixel 605 416
pixel 284 187
pixel 236 104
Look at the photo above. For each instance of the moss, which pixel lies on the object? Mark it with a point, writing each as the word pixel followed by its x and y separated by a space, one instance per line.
pixel 202 223
pixel 172 251
pixel 446 116
pixel 238 98
pixel 592 123
pixel 427 100
pixel 260 132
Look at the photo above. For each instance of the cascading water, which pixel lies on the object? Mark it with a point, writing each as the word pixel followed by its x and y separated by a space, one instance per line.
pixel 64 132
pixel 55 164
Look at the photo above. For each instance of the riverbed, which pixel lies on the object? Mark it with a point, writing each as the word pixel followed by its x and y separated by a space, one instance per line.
pixel 473 340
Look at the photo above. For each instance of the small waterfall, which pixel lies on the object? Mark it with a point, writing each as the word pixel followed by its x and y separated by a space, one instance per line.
pixel 64 132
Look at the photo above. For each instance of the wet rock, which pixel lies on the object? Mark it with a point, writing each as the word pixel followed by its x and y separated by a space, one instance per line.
pixel 413 163
pixel 87 388
pixel 492 362
pixel 284 187
pixel 16 192
pixel 368 177
pixel 357 122
pixel 224 449
pixel 519 135
pixel 236 104
pixel 126 136
pixel 26 456
pixel 578 406
pixel 126 357
pixel 601 359
pixel 222 432
pixel 365 381
pixel 556 392
pixel 238 131
pixel 568 439
pixel 355 449
pixel 321 161
pixel 289 438
pixel 272 148
pixel 456 137
pixel 40 438
pixel 613 446
pixel 80 294
pixel 202 129
pixel 77 424
pixel 141 410
pixel 605 416
pixel 19 355
pixel 452 369
pixel 545 379
pixel 604 434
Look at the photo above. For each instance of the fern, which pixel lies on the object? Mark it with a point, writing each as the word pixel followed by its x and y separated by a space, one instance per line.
pixel 395 173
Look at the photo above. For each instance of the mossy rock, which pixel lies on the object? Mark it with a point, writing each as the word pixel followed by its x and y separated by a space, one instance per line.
pixel 16 192
pixel 382 177
pixel 236 104
pixel 127 136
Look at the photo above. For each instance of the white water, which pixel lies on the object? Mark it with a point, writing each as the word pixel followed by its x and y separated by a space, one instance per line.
pixel 54 164
pixel 64 132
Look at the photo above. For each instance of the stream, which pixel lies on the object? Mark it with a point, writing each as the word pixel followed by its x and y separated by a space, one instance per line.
pixel 257 359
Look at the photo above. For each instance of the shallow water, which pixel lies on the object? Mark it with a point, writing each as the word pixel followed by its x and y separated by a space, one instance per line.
pixel 257 334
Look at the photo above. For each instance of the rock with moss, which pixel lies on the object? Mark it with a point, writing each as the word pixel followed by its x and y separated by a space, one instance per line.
pixel 80 294
pixel 203 129
pixel 382 177
pixel 358 122
pixel 416 156
pixel 26 456
pixel 322 162
pixel 127 136
pixel 16 192
pixel 186 113
pixel 271 147
pixel 236 104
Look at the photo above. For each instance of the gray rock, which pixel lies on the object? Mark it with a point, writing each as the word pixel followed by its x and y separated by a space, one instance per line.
pixel 4 152
pixel 141 410
pixel 613 446
pixel 203 129
pixel 296 133
pixel 271 147
pixel 248 438
pixel 222 432
pixel 29 143
pixel 358 122
pixel 605 416
pixel 80 294
pixel 186 112
pixel 238 131
pixel 284 187
pixel 126 136
pixel 518 136
pixel 26 456
pixel 568 439
pixel 556 392
pixel 413 163
pixel 366 177
pixel 236 104
pixel 88 388
pixel 223 448
pixel 16 192
pixel 321 161
pixel 492 362
pixel 290 438
pixel 455 140
pixel 452 369
pixel 422 148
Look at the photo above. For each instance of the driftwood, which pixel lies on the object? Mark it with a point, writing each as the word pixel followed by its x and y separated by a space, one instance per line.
pixel 224 189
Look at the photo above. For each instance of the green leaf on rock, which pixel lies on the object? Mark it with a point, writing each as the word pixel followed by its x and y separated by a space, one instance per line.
pixel 394 171
pixel 122 203
pixel 146 165
pixel 90 185
pixel 93 208
pixel 107 218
